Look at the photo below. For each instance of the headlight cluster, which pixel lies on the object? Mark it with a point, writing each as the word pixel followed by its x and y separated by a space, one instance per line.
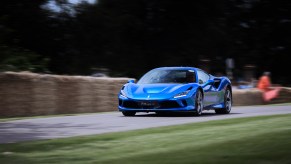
pixel 182 94
pixel 122 93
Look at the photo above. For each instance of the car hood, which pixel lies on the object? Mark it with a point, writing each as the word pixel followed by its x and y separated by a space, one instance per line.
pixel 154 91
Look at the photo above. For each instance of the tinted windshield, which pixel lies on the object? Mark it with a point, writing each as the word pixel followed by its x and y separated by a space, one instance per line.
pixel 168 76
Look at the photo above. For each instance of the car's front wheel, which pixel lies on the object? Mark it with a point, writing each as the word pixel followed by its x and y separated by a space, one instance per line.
pixel 199 103
pixel 128 113
pixel 227 103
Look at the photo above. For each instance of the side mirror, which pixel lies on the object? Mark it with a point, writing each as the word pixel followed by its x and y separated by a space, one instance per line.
pixel 130 81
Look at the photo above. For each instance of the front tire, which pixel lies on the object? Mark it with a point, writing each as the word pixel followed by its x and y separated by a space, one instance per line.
pixel 198 103
pixel 128 113
pixel 227 103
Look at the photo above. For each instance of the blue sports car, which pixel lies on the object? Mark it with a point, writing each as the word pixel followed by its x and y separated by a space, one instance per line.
pixel 176 89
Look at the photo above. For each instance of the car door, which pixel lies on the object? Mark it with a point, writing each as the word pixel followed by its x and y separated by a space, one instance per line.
pixel 210 95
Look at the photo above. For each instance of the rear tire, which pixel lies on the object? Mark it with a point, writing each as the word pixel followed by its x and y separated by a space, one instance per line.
pixel 128 113
pixel 198 103
pixel 227 103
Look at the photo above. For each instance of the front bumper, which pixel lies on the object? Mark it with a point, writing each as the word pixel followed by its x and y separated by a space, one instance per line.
pixel 137 105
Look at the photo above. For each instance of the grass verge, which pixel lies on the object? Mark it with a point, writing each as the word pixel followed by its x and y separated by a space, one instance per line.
pixel 257 140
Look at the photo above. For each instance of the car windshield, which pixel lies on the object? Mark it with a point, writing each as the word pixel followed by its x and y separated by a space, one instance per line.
pixel 168 76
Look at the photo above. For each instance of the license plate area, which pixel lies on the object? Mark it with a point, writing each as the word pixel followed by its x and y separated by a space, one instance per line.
pixel 149 104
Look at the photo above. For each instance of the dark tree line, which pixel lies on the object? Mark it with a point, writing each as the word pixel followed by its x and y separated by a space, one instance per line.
pixel 129 37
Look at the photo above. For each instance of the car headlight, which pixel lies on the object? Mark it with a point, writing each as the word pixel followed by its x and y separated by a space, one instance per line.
pixel 182 94
pixel 122 93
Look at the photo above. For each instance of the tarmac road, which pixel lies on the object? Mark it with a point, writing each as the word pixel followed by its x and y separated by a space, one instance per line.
pixel 68 126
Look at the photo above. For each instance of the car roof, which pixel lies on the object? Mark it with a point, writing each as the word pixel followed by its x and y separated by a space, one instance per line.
pixel 177 68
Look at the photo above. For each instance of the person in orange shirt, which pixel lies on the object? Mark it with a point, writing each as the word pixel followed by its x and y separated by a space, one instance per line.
pixel 264 82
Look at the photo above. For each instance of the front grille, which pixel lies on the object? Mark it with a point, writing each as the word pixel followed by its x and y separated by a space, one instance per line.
pixel 169 104
pixel 130 104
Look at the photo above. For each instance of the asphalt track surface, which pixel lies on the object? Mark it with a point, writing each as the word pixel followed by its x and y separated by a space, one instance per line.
pixel 88 124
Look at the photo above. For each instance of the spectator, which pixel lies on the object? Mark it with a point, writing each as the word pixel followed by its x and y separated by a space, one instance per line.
pixel 264 82
pixel 265 85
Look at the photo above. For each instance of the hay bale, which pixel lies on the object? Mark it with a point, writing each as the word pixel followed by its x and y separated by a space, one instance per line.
pixel 28 94
pixel 15 94
pixel 247 97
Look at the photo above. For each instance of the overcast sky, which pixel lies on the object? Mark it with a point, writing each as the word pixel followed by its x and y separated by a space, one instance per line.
pixel 52 5
pixel 79 1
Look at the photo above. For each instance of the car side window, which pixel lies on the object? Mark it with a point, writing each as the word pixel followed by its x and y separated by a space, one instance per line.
pixel 190 76
pixel 202 77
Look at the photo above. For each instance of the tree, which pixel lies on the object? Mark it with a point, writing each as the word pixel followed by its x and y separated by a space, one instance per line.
pixel 20 40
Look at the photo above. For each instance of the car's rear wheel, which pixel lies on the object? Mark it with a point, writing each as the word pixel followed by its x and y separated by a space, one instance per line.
pixel 128 113
pixel 227 103
pixel 198 103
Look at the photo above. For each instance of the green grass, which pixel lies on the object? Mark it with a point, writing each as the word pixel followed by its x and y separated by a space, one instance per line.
pixel 264 139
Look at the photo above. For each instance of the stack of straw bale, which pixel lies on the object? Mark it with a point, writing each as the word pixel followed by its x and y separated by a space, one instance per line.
pixel 30 94
pixel 247 97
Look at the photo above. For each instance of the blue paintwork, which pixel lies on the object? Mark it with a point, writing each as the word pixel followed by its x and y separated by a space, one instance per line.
pixel 160 93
